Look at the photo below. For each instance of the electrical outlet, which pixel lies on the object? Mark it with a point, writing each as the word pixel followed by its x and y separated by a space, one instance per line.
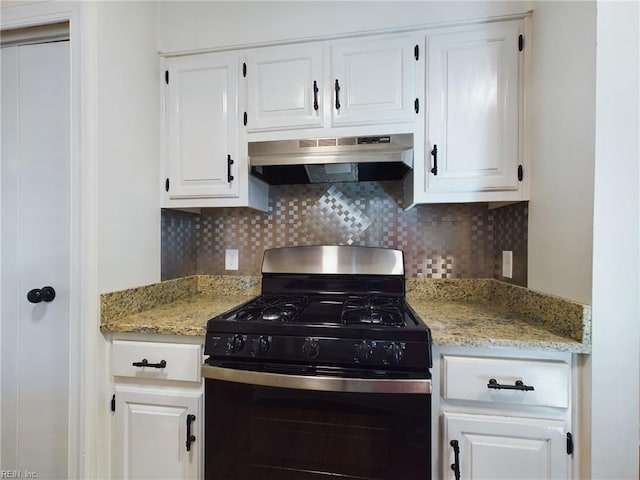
pixel 231 260
pixel 507 263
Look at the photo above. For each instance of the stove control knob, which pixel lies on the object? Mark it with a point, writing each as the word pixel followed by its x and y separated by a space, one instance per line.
pixel 363 351
pixel 393 353
pixel 261 345
pixel 235 344
pixel 311 348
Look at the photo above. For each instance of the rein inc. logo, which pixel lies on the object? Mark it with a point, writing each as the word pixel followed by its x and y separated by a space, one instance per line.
pixel 17 474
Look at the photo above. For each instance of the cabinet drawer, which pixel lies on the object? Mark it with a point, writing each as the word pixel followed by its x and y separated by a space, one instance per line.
pixel 181 361
pixel 468 378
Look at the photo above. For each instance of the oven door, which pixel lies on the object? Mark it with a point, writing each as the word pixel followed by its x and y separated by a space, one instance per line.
pixel 262 425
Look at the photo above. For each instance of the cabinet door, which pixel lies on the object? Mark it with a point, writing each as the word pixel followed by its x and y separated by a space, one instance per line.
pixel 504 448
pixel 373 81
pixel 202 126
pixel 472 103
pixel 285 87
pixel 150 438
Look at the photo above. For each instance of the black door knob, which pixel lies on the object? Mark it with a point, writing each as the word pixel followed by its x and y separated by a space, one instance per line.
pixel 44 294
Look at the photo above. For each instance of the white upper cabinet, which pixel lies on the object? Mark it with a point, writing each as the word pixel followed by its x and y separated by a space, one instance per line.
pixel 202 114
pixel 473 123
pixel 373 80
pixel 322 87
pixel 205 157
pixel 284 87
pixel 459 90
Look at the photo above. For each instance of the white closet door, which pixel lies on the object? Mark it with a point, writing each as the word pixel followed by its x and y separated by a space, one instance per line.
pixel 35 204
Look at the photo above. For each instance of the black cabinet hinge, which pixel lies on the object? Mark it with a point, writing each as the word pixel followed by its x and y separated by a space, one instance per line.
pixel 244 70
pixel 520 173
pixel 569 443
pixel 166 77
pixel 244 119
pixel 113 403
pixel 166 185
pixel 416 52
pixel 416 105
pixel 520 43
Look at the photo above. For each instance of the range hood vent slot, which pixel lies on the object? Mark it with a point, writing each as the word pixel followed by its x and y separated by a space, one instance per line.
pixel 328 142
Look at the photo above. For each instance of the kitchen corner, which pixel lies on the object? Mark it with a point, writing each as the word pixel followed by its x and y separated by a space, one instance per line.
pixel 460 312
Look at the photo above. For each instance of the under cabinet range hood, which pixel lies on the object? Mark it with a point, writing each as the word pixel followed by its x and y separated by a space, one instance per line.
pixel 343 159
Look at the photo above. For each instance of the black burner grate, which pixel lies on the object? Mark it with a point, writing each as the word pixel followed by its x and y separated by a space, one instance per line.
pixel 377 310
pixel 272 309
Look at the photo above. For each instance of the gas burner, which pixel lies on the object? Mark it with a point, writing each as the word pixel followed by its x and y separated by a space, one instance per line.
pixel 279 313
pixel 272 309
pixel 373 310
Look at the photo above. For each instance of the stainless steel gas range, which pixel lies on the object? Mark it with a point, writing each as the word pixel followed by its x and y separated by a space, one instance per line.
pixel 325 374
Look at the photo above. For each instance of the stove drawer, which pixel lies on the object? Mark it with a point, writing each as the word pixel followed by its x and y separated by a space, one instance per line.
pixel 513 381
pixel 158 361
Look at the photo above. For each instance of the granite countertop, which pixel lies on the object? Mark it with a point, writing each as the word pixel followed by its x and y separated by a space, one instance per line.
pixel 174 307
pixel 185 316
pixel 489 313
pixel 478 325
pixel 459 312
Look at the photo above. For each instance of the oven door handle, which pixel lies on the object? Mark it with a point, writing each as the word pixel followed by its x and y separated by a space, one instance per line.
pixel 319 383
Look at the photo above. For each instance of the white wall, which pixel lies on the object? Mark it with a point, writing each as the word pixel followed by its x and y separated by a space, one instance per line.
pixel 562 112
pixel 122 99
pixel 615 362
pixel 128 145
pixel 188 26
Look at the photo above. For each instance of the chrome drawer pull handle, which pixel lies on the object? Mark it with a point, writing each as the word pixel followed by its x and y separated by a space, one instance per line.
pixel 145 363
pixel 519 385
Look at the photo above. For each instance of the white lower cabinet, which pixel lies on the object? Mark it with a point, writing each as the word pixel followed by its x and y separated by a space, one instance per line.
pixel 158 433
pixel 158 410
pixel 495 447
pixel 503 414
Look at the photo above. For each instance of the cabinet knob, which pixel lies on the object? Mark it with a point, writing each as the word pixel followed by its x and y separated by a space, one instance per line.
pixel 44 294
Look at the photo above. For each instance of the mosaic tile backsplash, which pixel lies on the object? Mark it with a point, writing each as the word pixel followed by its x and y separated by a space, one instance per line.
pixel 179 250
pixel 511 234
pixel 439 241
